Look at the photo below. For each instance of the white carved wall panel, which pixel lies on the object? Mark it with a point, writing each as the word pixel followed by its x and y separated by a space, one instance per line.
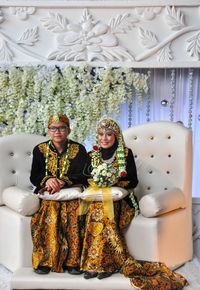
pixel 129 33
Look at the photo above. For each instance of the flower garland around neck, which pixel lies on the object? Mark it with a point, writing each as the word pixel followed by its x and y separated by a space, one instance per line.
pixel 47 157
pixel 104 174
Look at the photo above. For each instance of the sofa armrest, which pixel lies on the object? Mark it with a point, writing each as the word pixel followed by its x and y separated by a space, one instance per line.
pixel 161 202
pixel 22 201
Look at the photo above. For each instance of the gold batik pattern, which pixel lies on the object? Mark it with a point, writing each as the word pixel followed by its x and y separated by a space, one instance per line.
pixel 56 235
pixel 103 241
pixel 73 150
pixel 105 250
pixel 43 148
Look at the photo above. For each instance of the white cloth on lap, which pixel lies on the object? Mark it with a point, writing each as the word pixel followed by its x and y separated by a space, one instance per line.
pixel 117 193
pixel 63 194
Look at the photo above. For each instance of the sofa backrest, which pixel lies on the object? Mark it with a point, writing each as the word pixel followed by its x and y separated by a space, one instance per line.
pixel 163 155
pixel 15 160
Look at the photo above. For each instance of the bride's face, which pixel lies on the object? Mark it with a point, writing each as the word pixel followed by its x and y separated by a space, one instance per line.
pixel 106 138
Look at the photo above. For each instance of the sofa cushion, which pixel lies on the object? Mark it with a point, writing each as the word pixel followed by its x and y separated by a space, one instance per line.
pixel 63 194
pixel 20 200
pixel 161 202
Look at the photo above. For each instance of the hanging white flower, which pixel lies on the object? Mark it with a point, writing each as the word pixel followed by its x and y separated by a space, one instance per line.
pixel 31 94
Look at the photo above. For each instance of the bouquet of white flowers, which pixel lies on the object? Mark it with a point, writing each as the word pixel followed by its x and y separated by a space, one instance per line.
pixel 104 175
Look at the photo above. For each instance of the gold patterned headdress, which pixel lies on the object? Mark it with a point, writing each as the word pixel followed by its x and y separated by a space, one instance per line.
pixel 109 124
pixel 57 118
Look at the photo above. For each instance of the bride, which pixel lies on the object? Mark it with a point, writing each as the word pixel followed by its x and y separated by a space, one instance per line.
pixel 111 167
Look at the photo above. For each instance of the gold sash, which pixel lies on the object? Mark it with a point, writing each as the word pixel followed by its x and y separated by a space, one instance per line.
pixel 90 194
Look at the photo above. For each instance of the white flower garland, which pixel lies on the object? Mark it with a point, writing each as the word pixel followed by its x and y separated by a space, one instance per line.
pixel 30 94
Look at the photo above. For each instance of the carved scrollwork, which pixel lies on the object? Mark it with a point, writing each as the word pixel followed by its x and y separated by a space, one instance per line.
pixel 89 40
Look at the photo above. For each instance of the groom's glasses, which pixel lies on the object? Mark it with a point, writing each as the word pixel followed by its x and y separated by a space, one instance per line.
pixel 60 128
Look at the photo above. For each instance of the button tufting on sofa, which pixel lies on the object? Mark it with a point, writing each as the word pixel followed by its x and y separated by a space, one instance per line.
pixel 169 156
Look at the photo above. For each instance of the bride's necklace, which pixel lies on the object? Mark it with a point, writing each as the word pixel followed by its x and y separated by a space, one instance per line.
pixel 110 160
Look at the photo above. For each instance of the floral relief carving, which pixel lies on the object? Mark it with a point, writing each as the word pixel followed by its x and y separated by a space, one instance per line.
pixel 92 39
pixel 6 53
pixel 147 13
pixel 22 12
pixel 193 46
pixel 1 16
pixel 29 36
pixel 175 20
pixel 165 53
pixel 147 38
pixel 89 40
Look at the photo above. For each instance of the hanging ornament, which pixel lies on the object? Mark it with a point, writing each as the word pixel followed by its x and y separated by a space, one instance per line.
pixel 130 113
pixel 148 97
pixel 164 103
pixel 172 95
pixel 190 97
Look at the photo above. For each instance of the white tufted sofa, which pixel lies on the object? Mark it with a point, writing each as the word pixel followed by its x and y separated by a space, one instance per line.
pixel 161 232
pixel 15 160
pixel 163 155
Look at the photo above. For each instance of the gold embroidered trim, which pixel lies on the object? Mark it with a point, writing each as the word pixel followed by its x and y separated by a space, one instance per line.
pixel 125 151
pixel 73 150
pixel 123 183
pixel 43 148
pixel 53 158
pixel 45 179
pixel 66 179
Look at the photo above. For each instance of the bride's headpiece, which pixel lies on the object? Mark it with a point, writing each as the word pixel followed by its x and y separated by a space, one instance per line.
pixel 105 124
